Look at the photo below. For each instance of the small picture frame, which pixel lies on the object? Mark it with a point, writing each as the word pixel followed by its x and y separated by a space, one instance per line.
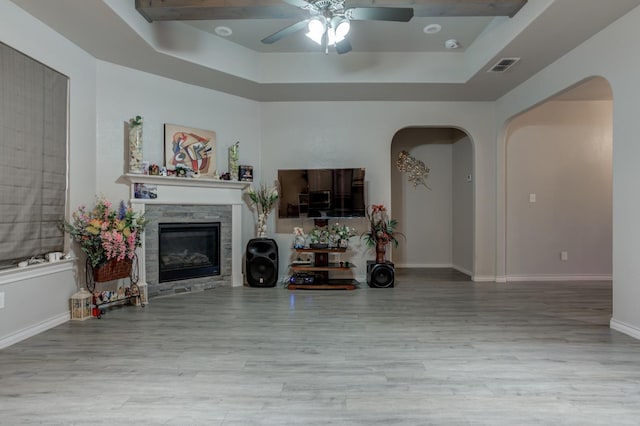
pixel 145 191
pixel 245 173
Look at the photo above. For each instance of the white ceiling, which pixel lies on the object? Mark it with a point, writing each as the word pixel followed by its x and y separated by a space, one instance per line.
pixel 365 36
pixel 389 61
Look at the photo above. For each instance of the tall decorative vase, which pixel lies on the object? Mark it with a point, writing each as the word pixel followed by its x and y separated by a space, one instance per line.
pixel 381 248
pixel 262 225
pixel 234 162
pixel 135 145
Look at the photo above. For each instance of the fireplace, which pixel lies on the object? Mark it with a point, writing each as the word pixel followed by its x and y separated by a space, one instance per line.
pixel 190 201
pixel 188 250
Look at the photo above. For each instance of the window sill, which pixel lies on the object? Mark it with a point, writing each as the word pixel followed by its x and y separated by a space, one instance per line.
pixel 12 275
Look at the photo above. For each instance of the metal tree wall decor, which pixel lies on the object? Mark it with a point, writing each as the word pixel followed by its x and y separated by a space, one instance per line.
pixel 417 171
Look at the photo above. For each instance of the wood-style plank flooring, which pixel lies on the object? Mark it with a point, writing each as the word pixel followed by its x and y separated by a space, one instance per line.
pixel 435 350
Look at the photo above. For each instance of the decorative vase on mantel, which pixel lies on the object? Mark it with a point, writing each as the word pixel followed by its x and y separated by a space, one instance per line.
pixel 234 160
pixel 381 248
pixel 135 145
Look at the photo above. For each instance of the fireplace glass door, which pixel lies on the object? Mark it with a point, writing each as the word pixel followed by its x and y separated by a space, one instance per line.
pixel 188 250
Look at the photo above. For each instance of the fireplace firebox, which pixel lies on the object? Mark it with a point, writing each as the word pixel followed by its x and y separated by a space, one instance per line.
pixel 188 250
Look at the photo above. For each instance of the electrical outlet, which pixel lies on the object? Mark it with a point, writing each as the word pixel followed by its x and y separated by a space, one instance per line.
pixel 564 255
pixel 1 299
pixel 532 198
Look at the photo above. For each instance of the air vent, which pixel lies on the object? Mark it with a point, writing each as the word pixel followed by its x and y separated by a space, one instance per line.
pixel 503 64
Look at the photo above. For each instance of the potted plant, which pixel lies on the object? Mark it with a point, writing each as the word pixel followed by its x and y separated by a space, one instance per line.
pixel 265 200
pixel 340 235
pixel 382 231
pixel 319 238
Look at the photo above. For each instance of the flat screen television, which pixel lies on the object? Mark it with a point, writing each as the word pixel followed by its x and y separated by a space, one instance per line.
pixel 321 193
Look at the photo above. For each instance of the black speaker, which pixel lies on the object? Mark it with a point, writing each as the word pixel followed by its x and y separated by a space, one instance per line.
pixel 262 262
pixel 380 275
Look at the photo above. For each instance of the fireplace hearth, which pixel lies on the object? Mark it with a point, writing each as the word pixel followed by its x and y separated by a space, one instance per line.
pixel 188 250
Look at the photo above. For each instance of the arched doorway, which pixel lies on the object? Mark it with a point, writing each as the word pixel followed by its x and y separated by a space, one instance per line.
pixel 558 192
pixel 437 222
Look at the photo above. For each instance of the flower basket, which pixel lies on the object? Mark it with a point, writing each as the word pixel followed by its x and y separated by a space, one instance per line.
pixel 105 234
pixel 113 269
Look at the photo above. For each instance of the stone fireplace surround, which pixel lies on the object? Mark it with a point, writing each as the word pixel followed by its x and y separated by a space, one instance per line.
pixel 185 213
pixel 189 200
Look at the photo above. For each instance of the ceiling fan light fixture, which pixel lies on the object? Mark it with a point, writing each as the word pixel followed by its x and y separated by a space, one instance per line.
pixel 317 28
pixel 341 26
pixel 315 37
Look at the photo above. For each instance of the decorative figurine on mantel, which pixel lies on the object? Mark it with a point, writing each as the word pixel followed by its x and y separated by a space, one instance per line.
pixel 135 145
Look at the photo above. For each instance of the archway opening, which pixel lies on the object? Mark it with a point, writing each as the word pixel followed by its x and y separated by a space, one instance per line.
pixel 438 222
pixel 559 187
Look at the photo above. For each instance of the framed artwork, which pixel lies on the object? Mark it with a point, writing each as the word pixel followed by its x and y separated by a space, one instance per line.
pixel 193 148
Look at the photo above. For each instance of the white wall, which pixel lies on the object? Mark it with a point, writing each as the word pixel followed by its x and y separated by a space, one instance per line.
pixel 561 152
pixel 462 208
pixel 349 134
pixel 426 215
pixel 606 54
pixel 123 93
pixel 30 306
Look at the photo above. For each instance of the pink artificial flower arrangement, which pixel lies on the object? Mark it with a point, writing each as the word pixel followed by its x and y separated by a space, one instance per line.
pixel 104 233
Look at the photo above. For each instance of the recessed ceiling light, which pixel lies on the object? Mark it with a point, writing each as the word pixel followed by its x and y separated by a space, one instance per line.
pixel 223 31
pixel 432 28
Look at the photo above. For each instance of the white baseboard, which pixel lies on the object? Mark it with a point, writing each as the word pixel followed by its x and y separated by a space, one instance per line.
pixel 32 330
pixel 483 278
pixel 625 328
pixel 423 265
pixel 517 278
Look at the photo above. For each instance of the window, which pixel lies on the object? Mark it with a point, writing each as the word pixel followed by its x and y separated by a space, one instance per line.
pixel 33 156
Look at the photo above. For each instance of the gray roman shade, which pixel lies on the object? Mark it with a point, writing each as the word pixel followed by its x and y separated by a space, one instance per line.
pixel 33 156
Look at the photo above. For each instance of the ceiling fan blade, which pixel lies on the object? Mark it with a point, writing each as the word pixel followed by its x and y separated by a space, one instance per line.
pixel 398 14
pixel 343 46
pixel 291 29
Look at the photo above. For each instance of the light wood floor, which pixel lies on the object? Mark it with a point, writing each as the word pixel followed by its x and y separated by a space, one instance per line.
pixel 435 350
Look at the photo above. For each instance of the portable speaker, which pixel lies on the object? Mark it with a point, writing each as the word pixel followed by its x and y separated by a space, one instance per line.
pixel 380 275
pixel 262 262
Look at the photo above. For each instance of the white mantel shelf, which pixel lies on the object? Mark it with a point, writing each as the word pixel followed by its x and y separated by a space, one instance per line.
pixel 200 182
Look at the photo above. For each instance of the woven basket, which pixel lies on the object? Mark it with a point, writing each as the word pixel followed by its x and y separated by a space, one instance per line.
pixel 112 270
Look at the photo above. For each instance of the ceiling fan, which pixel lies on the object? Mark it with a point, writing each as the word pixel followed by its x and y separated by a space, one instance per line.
pixel 329 21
